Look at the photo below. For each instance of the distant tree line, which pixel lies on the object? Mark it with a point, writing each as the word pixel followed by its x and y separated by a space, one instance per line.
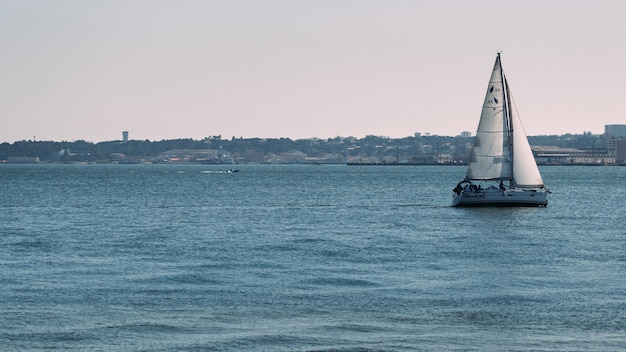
pixel 585 141
pixel 255 149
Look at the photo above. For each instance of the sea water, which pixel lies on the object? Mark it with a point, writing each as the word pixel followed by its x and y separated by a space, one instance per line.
pixel 305 258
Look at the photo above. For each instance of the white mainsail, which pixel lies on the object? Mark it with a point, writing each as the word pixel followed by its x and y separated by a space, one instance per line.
pixel 491 155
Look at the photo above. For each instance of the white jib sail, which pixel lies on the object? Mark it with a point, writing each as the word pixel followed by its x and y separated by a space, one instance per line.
pixel 525 170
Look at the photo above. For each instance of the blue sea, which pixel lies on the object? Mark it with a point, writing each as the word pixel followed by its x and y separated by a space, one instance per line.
pixel 306 258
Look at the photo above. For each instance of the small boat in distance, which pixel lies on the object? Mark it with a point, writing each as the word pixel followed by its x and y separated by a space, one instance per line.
pixel 502 169
pixel 229 171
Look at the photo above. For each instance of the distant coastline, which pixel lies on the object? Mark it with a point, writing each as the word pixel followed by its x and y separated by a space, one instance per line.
pixel 569 149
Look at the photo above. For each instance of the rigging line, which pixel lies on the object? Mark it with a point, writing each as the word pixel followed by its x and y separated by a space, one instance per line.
pixel 513 106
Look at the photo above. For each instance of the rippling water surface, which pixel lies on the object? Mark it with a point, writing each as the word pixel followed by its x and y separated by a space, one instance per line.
pixel 305 258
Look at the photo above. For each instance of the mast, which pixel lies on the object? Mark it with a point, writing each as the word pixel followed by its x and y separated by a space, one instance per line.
pixel 507 120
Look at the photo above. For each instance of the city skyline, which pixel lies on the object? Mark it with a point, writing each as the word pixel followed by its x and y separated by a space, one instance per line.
pixel 303 69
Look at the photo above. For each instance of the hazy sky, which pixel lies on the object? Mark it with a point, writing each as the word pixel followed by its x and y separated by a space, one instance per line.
pixel 88 69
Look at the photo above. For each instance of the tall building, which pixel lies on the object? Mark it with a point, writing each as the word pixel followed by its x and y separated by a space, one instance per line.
pixel 125 137
pixel 613 133
pixel 615 130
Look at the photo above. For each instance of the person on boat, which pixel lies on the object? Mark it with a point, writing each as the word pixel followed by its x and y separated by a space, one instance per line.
pixel 502 186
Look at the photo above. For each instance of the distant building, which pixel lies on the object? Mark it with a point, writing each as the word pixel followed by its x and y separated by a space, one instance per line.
pixel 207 156
pixel 296 156
pixel 546 155
pixel 23 160
pixel 615 130
pixel 620 151
pixel 466 134
pixel 613 133
pixel 125 137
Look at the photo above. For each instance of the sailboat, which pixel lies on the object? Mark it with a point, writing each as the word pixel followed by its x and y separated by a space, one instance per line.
pixel 502 169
